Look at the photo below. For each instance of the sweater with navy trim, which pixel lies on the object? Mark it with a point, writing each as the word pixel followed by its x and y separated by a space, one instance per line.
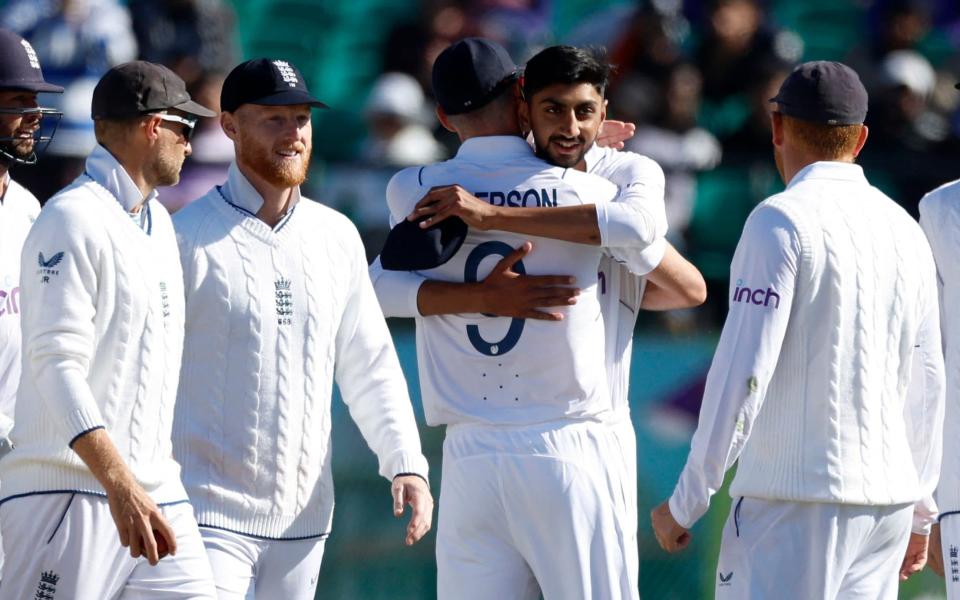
pixel 276 316
pixel 102 321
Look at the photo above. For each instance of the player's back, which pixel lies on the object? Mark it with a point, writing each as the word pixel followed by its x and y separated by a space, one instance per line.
pixel 865 280
pixel 477 368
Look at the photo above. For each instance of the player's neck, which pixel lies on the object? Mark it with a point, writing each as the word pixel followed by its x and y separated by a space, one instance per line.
pixel 3 180
pixel 276 200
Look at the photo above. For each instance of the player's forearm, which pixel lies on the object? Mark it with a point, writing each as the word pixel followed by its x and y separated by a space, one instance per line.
pixel 674 284
pixel 577 224
pixel 97 451
pixel 446 298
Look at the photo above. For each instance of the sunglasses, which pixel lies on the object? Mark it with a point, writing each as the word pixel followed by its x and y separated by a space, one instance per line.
pixel 187 122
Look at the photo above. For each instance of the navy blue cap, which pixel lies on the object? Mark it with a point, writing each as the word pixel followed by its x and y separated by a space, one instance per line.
pixel 825 92
pixel 410 248
pixel 20 67
pixel 265 81
pixel 470 73
pixel 139 87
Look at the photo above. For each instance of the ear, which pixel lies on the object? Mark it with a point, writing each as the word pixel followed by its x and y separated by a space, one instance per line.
pixel 862 141
pixel 228 122
pixel 151 127
pixel 603 110
pixel 776 126
pixel 445 120
pixel 523 112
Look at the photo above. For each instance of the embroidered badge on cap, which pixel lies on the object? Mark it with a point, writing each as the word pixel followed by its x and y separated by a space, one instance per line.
pixel 286 72
pixel 31 54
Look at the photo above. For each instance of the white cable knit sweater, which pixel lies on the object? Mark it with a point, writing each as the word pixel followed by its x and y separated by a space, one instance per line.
pixel 833 316
pixel 102 318
pixel 274 316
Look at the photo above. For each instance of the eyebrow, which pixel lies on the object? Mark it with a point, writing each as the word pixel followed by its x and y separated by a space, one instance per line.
pixel 578 104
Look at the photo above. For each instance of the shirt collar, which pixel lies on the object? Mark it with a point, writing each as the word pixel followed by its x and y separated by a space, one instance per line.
pixel 835 170
pixel 499 146
pixel 593 156
pixel 105 169
pixel 241 193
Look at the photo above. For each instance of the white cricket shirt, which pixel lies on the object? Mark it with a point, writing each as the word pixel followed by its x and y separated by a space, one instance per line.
pixel 18 211
pixel 833 299
pixel 481 369
pixel 940 219
pixel 621 282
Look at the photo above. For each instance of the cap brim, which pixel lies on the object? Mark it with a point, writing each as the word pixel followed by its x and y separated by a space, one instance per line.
pixel 40 86
pixel 411 248
pixel 289 98
pixel 193 108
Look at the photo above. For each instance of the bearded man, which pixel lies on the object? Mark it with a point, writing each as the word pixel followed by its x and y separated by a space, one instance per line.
pixel 278 307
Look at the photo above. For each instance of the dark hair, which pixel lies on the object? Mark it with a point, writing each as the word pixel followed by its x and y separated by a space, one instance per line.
pixel 566 65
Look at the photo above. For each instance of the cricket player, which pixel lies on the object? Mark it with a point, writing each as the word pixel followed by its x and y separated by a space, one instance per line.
pixel 833 313
pixel 20 115
pixel 534 474
pixel 91 472
pixel 940 219
pixel 505 293
pixel 279 306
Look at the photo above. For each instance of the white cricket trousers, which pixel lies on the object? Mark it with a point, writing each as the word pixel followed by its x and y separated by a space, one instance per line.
pixel 812 551
pixel 950 546
pixel 64 545
pixel 251 568
pixel 537 509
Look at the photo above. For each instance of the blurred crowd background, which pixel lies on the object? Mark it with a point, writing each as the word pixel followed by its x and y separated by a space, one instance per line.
pixel 694 75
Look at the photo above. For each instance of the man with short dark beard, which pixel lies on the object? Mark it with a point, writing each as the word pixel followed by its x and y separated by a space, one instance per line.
pixel 91 471
pixel 279 306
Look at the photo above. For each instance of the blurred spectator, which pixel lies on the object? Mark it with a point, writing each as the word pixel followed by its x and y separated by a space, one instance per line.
pixel 412 46
pixel 906 136
pixel 521 26
pixel 396 116
pixel 751 142
pixel 683 149
pixel 897 25
pixel 76 41
pixel 736 43
pixel 192 37
pixel 645 56
pixel 212 150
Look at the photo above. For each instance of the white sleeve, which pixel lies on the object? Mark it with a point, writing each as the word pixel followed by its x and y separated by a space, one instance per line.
pixel 58 317
pixel 397 291
pixel 924 412
pixel 637 217
pixel 947 493
pixel 767 258
pixel 371 381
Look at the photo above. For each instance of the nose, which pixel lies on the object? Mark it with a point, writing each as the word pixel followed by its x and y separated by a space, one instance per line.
pixel 570 126
pixel 187 149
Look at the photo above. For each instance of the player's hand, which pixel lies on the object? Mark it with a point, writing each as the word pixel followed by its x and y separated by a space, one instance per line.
pixel 935 551
pixel 916 556
pixel 510 294
pixel 453 201
pixel 413 490
pixel 614 133
pixel 140 524
pixel 671 536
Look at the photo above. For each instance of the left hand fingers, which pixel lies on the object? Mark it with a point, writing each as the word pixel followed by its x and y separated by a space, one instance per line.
pixel 421 518
pixel 398 492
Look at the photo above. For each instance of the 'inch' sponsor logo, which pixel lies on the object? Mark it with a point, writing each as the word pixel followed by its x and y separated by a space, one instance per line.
pixel 757 296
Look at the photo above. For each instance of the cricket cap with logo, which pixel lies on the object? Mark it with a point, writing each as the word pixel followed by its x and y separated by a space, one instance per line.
pixel 470 73
pixel 140 87
pixel 825 92
pixel 267 82
pixel 20 67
